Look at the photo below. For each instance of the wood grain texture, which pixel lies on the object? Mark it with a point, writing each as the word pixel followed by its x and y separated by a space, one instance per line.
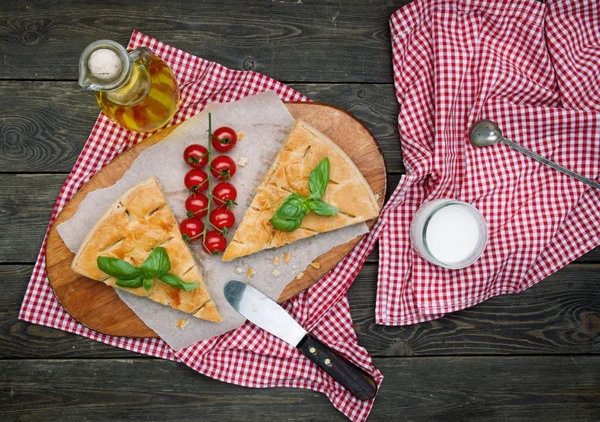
pixel 26 203
pixel 27 200
pixel 560 315
pixel 45 124
pixel 19 339
pixel 425 389
pixel 97 305
pixel 289 40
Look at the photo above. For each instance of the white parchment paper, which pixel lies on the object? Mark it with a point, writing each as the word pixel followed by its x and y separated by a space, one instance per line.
pixel 265 122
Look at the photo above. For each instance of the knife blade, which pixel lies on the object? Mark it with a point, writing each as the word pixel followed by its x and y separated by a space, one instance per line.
pixel 268 315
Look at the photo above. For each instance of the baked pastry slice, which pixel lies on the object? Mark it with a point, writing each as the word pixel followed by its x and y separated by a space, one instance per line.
pixel 303 150
pixel 129 230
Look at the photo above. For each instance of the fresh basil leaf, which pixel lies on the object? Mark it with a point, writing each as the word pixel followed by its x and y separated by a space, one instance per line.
pixel 318 179
pixel 293 207
pixel 132 284
pixel 175 281
pixel 156 264
pixel 322 208
pixel 148 282
pixel 285 224
pixel 117 268
pixel 171 280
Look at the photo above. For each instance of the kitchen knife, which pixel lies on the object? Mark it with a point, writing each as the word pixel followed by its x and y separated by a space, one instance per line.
pixel 268 315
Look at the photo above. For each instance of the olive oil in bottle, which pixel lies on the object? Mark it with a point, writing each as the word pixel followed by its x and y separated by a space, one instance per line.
pixel 135 89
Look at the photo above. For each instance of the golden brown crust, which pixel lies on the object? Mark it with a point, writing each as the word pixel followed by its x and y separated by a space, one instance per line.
pixel 139 221
pixel 303 150
pixel 182 323
pixel 208 312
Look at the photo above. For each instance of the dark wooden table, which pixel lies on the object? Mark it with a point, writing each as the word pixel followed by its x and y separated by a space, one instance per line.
pixel 531 356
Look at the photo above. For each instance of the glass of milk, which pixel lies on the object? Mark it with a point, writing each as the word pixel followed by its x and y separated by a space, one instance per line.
pixel 449 233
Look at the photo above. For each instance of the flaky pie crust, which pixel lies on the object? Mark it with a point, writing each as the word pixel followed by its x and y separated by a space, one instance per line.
pixel 139 221
pixel 348 190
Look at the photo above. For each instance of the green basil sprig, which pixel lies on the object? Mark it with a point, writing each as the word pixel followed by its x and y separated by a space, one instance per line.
pixel 157 265
pixel 294 208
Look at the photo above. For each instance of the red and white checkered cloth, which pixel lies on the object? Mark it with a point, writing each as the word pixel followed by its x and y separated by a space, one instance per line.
pixel 535 70
pixel 247 356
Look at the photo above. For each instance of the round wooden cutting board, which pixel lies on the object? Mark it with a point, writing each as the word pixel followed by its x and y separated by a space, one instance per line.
pixel 98 307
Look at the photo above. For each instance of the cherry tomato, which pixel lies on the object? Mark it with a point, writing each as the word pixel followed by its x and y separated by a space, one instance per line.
pixel 224 139
pixel 222 219
pixel 196 205
pixel 191 229
pixel 196 180
pixel 214 242
pixel 196 156
pixel 222 167
pixel 224 194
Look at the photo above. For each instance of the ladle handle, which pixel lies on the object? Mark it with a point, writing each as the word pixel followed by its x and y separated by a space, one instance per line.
pixel 550 163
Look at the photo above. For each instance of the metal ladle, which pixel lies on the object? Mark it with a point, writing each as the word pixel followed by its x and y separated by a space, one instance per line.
pixel 485 133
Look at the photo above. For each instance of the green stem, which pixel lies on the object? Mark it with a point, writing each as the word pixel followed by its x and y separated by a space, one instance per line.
pixel 209 196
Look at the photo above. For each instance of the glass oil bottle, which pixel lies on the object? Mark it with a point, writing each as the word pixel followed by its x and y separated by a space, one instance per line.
pixel 135 89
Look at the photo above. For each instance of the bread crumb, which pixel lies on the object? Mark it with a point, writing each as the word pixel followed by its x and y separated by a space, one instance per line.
pixel 286 257
pixel 239 270
pixel 182 323
pixel 377 197
pixel 243 161
pixel 315 264
pixel 240 135
pixel 250 273
pixel 299 275
pixel 275 272
pixel 276 260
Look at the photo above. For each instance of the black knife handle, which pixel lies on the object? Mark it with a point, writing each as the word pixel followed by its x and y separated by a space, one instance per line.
pixel 350 376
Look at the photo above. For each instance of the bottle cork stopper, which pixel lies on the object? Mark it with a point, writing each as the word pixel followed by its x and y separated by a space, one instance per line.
pixel 105 64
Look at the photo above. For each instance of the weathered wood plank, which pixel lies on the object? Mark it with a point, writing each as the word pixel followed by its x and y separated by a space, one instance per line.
pixel 45 124
pixel 561 315
pixel 19 339
pixel 26 203
pixel 290 40
pixel 511 388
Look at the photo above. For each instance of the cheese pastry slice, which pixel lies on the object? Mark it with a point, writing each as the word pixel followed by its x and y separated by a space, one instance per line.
pixel 303 150
pixel 139 221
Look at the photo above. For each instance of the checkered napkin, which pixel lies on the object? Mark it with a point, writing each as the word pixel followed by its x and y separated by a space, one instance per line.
pixel 534 69
pixel 247 356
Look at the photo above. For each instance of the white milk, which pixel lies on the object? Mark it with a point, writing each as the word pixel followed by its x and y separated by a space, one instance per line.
pixel 452 234
pixel 449 233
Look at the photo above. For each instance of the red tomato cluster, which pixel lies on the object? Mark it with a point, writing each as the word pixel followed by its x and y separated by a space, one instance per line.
pixel 224 193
